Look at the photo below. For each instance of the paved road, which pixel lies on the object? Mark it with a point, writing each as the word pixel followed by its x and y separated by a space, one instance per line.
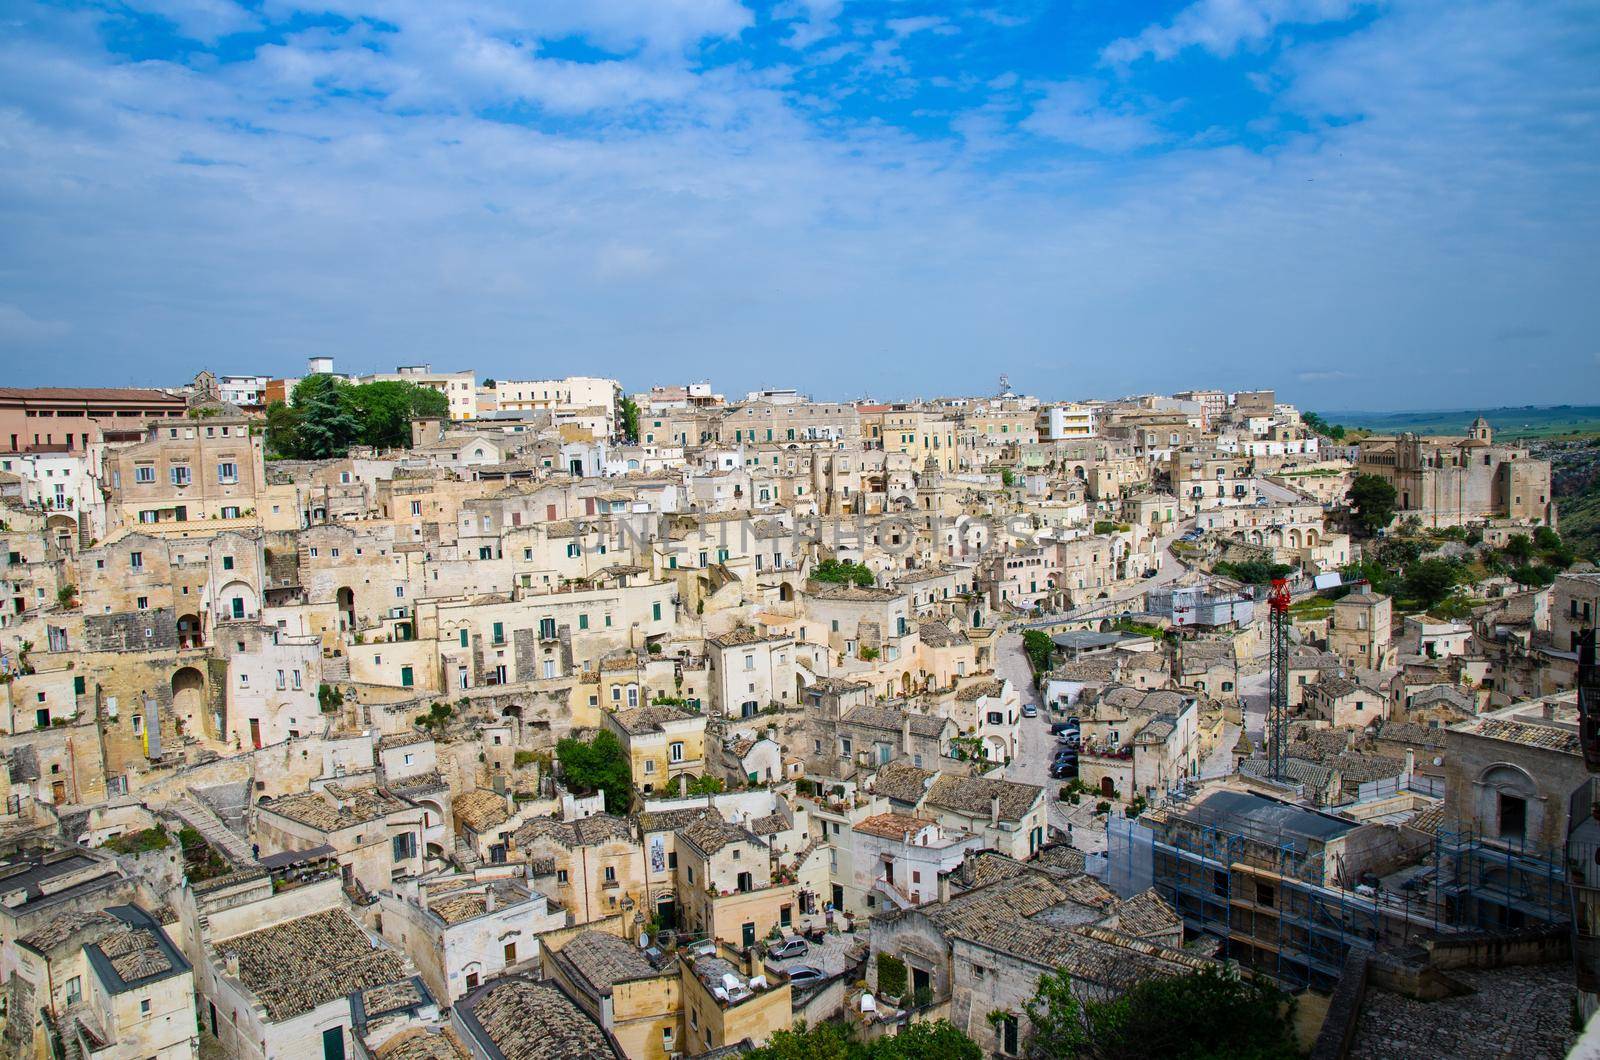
pixel 1032 765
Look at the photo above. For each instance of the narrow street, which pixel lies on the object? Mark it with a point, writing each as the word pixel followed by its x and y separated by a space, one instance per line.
pixel 1032 765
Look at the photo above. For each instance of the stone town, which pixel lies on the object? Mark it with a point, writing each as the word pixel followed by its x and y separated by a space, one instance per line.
pixel 578 722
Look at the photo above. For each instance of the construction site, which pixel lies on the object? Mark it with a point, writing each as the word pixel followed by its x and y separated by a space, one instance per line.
pixel 1290 889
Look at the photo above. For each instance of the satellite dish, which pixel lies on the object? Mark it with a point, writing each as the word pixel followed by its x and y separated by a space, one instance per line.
pixel 644 939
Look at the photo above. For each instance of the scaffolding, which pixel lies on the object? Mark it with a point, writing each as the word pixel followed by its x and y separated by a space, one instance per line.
pixel 1271 904
pixel 1480 884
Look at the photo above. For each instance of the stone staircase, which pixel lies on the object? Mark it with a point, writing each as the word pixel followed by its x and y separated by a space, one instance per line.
pixel 336 670
pixel 466 857
pixel 202 819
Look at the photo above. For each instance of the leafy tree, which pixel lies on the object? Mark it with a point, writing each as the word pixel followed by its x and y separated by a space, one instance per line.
pixel 385 410
pixel 1372 500
pixel 600 765
pixel 705 785
pixel 283 430
pixel 328 423
pixel 844 572
pixel 1039 647
pixel 628 412
pixel 1519 547
pixel 1430 580
pixel 488 384
pixel 1533 574
pixel 1253 571
pixel 1008 478
pixel 937 1040
pixel 1209 1015
pixel 1545 538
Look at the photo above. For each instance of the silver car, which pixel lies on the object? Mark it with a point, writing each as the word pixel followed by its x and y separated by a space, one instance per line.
pixel 788 948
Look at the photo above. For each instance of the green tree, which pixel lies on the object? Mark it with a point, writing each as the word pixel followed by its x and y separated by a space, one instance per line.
pixel 1039 647
pixel 328 424
pixel 600 765
pixel 705 785
pixel 1008 478
pixel 1533 574
pixel 1372 500
pixel 936 1040
pixel 1546 538
pixel 1209 1015
pixel 385 410
pixel 1519 547
pixel 844 572
pixel 283 431
pixel 628 413
pixel 1253 571
pixel 488 384
pixel 1431 580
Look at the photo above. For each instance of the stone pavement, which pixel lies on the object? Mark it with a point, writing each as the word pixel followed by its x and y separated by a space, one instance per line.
pixel 1513 1012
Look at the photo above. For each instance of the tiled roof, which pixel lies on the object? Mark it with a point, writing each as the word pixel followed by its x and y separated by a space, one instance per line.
pixel 298 965
pixel 1543 736
pixel 892 825
pixel 600 960
pixel 1146 914
pixel 972 796
pixel 354 806
pixel 528 1020
pixel 584 832
pixel 672 820
pixel 711 834
pixel 480 809
pixel 422 1043
pixel 888 719
pixel 744 635
pixel 648 719
pixel 902 782
pixel 980 689
pixel 938 634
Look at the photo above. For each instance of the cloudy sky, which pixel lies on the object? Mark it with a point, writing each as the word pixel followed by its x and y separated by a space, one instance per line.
pixel 1365 205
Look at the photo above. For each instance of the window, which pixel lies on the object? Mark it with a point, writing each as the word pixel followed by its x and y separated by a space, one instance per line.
pixel 655 611
pixel 227 471
pixel 136 560
pixel 283 680
pixel 405 846
pixel 499 633
pixel 675 751
pixel 144 1007
pixel 611 874
pixel 74 990
pixel 227 562
pixel 144 473
pixel 180 475
pixel 547 629
pixel 583 621
pixel 406 677
pixel 1513 816
pixel 143 603
pixel 463 632
pixel 416 507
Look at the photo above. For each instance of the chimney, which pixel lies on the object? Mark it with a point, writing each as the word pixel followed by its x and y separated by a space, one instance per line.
pixel 944 886
pixel 488 899
pixel 1411 761
pixel 905 732
pixel 994 810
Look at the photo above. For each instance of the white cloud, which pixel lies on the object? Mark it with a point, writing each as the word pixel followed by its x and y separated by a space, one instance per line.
pixel 669 219
pixel 17 326
pixel 1221 27
pixel 1073 113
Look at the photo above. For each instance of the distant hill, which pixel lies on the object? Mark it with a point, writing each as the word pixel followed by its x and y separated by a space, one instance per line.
pixel 1526 422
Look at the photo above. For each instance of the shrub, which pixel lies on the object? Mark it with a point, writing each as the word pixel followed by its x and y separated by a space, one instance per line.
pixel 891 975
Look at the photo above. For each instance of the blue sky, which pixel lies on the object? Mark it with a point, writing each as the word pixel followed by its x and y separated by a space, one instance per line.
pixel 1364 205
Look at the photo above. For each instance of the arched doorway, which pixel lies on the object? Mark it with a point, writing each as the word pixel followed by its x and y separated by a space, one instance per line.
pixel 786 592
pixel 189 632
pixel 1108 787
pixel 188 697
pixel 345 601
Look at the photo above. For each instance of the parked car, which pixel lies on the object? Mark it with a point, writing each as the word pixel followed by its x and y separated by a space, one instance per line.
pixel 789 948
pixel 1030 711
pixel 1064 770
pixel 1066 754
pixel 803 975
pixel 1069 738
pixel 1059 727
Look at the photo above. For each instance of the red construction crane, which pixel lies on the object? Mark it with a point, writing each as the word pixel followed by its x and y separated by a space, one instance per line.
pixel 1278 676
